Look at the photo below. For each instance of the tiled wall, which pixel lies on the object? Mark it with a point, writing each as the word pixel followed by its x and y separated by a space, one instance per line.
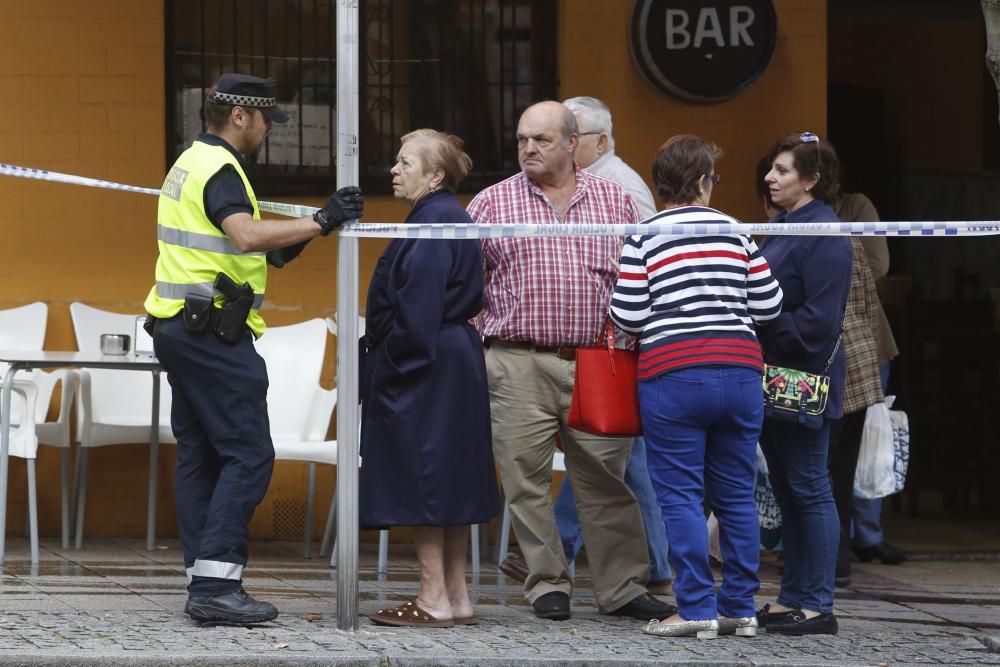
pixel 82 91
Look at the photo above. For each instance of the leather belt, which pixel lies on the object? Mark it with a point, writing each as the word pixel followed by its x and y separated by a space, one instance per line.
pixel 567 352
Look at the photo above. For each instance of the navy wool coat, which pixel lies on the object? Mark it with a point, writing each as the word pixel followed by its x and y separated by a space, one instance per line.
pixel 426 444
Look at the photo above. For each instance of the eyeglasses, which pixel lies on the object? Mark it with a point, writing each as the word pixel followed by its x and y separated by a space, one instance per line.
pixel 715 178
pixel 583 134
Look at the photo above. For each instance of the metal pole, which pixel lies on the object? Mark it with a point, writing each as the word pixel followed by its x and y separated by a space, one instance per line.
pixel 8 382
pixel 347 323
pixel 154 464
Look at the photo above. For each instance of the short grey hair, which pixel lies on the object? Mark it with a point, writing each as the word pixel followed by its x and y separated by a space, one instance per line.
pixel 594 113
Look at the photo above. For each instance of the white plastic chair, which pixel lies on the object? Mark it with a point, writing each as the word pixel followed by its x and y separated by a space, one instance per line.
pixel 298 408
pixel 503 541
pixel 114 407
pixel 23 328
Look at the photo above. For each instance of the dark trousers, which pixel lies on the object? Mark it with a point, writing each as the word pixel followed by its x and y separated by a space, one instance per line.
pixel 701 427
pixel 224 451
pixel 797 461
pixel 845 445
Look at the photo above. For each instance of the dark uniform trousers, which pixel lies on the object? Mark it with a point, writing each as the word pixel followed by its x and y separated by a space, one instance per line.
pixel 225 456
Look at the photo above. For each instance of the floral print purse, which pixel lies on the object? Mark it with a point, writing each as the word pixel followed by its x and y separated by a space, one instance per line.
pixel 797 396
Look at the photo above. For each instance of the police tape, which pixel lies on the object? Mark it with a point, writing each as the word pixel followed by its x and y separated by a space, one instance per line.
pixel 525 230
pixel 654 228
pixel 291 210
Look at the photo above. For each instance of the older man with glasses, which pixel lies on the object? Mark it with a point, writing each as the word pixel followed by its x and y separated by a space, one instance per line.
pixel 596 151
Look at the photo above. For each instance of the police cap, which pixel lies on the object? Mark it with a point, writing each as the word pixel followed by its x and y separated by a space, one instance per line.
pixel 249 91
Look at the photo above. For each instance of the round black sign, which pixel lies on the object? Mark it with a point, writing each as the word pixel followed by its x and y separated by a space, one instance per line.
pixel 702 50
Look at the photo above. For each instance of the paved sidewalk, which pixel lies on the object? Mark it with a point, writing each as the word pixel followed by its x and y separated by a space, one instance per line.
pixel 113 603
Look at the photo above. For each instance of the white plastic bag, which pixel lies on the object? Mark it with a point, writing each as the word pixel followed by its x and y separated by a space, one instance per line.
pixel 901 443
pixel 875 476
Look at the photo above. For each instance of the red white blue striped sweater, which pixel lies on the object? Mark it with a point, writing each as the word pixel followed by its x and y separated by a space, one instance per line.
pixel 694 300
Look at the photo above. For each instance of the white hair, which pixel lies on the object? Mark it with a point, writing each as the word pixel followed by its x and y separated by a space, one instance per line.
pixel 593 113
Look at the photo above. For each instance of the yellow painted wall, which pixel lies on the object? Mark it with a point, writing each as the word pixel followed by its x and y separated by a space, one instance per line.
pixel 82 91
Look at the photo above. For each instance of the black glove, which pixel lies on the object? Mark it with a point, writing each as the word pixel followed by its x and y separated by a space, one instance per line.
pixel 278 258
pixel 346 204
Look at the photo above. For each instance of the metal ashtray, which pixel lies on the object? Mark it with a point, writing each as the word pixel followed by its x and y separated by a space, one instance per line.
pixel 116 344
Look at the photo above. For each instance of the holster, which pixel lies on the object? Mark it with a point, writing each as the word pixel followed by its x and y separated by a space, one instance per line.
pixel 236 306
pixel 232 324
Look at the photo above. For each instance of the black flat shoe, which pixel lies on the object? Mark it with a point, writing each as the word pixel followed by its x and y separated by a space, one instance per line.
pixel 645 608
pixel 766 617
pixel 797 624
pixel 883 551
pixel 237 608
pixel 552 606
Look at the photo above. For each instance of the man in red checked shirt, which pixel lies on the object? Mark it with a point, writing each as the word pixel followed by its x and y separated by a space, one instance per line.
pixel 545 297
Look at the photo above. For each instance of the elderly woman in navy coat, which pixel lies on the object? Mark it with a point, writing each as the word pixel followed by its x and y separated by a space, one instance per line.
pixel 427 458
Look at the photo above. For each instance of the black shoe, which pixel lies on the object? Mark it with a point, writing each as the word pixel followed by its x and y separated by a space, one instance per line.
pixel 883 551
pixel 797 624
pixel 553 606
pixel 236 608
pixel 645 608
pixel 765 617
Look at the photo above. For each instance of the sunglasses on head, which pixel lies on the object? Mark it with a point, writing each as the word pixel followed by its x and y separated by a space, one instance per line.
pixel 811 138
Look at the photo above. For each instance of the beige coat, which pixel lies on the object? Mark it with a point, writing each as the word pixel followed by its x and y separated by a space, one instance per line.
pixel 856 207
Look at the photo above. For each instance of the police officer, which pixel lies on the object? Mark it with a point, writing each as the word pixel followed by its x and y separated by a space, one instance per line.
pixel 205 312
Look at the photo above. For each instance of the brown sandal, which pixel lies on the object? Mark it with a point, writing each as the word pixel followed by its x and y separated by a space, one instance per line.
pixel 409 614
pixel 467 620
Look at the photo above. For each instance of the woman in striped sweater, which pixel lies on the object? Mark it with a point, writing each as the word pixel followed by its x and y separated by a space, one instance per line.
pixel 694 302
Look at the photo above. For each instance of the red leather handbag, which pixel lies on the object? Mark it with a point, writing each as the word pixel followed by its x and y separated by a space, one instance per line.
pixel 605 400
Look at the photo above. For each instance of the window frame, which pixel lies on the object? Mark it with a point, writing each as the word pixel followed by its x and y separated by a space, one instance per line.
pixel 300 180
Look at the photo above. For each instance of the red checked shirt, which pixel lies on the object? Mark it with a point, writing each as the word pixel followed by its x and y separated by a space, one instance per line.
pixel 550 291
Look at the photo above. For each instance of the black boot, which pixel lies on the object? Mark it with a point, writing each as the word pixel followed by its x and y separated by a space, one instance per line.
pixel 236 607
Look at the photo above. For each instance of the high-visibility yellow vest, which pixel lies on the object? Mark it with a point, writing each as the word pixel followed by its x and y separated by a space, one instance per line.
pixel 192 249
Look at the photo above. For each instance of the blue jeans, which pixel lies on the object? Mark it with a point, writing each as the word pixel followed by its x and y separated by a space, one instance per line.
pixel 867 516
pixel 797 459
pixel 701 427
pixel 637 479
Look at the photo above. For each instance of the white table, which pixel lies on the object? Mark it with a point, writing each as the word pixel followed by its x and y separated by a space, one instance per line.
pixel 21 360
